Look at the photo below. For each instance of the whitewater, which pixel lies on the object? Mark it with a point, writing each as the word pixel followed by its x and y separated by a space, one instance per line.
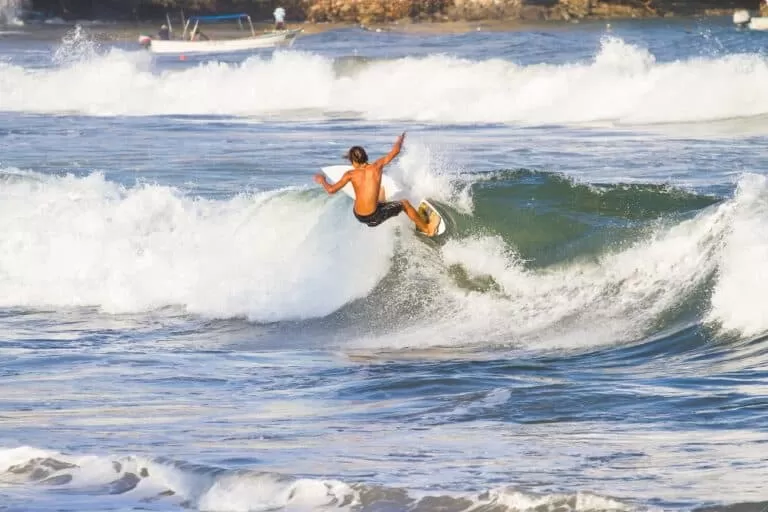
pixel 621 83
pixel 188 322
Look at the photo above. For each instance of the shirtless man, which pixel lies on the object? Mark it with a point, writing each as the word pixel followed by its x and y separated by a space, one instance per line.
pixel 370 207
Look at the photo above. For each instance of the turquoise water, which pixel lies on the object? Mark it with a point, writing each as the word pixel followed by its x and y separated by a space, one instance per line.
pixel 187 322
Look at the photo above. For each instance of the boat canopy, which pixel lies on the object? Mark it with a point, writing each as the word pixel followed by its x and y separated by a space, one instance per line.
pixel 194 21
pixel 219 17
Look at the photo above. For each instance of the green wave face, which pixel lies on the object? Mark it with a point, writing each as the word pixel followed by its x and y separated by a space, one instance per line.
pixel 549 218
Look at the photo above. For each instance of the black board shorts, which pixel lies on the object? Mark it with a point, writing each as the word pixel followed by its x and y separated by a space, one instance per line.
pixel 383 212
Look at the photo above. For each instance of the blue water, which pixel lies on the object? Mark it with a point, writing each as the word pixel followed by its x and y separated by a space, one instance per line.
pixel 189 323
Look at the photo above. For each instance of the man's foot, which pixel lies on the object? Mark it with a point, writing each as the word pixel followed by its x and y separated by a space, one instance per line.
pixel 432 219
pixel 434 222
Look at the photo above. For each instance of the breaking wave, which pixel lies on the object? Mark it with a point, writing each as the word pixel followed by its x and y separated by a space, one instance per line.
pixel 622 84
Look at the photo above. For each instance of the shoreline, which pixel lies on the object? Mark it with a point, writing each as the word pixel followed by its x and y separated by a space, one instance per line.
pixel 128 31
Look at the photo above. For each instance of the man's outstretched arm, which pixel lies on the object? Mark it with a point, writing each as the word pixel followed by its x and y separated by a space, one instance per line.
pixel 332 189
pixel 392 153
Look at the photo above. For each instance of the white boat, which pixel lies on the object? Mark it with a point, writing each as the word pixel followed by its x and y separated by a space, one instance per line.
pixel 267 40
pixel 742 18
pixel 759 23
pixel 194 41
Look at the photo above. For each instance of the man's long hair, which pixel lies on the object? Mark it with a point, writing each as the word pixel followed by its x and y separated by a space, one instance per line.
pixel 357 155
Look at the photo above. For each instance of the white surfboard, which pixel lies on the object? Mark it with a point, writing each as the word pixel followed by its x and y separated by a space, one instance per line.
pixel 391 191
pixel 426 209
pixel 335 172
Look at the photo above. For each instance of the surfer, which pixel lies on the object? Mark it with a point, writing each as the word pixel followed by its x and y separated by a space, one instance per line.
pixel 370 208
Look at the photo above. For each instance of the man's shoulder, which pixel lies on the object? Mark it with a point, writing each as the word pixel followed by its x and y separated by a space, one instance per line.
pixel 354 173
pixel 364 168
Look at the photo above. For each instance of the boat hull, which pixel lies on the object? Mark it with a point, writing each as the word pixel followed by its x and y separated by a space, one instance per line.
pixel 759 23
pixel 742 18
pixel 269 40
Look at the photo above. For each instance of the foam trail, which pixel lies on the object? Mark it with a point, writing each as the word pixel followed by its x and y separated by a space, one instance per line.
pixel 623 84
pixel 85 241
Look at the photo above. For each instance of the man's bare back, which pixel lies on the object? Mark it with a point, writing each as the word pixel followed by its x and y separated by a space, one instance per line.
pixel 370 207
pixel 366 180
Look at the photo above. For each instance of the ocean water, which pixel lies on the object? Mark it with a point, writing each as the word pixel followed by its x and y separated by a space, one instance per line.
pixel 188 322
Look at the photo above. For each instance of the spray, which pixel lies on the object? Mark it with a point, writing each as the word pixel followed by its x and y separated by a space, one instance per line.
pixel 9 12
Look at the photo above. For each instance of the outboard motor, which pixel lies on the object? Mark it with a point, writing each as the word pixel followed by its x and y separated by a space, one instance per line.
pixel 145 41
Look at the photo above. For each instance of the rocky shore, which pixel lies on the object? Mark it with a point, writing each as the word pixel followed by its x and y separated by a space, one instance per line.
pixel 388 11
pixel 373 11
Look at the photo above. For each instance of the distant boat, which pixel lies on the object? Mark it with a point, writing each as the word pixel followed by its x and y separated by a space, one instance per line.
pixel 193 41
pixel 742 18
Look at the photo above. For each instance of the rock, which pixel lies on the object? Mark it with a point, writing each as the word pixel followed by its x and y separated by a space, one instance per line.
pixel 373 11
pixel 485 9
pixel 381 11
pixel 577 8
pixel 533 13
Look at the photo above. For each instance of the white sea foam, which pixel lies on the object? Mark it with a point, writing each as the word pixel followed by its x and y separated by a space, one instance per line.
pixel 148 480
pixel 71 241
pixel 516 499
pixel 623 83
pixel 738 302
pixel 76 47
pixel 618 297
pixel 621 295
pixel 207 489
pixel 426 172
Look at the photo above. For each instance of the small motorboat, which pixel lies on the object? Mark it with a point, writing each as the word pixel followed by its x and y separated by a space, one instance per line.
pixel 194 41
pixel 743 19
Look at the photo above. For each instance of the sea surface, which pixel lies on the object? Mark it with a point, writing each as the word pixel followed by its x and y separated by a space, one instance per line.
pixel 188 322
